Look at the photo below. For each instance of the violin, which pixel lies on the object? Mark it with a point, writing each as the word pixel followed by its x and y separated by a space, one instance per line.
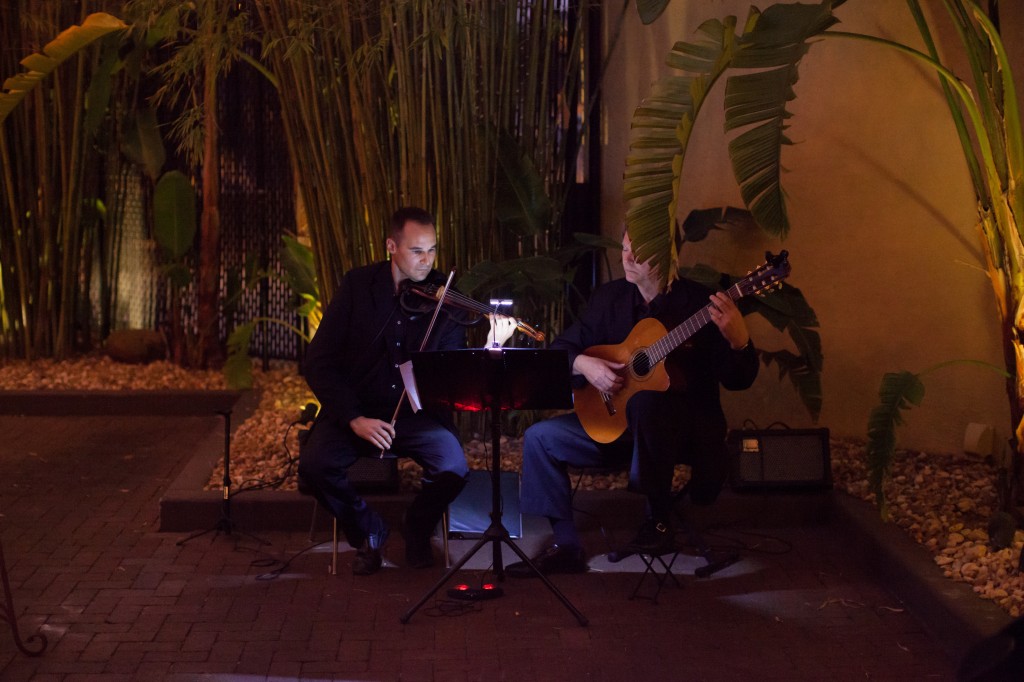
pixel 413 292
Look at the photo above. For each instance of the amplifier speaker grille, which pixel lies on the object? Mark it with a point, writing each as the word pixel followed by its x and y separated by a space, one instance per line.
pixel 780 458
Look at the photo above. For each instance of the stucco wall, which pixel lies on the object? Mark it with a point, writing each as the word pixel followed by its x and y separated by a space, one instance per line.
pixel 883 240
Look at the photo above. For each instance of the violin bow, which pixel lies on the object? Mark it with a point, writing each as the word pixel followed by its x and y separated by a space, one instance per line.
pixel 423 347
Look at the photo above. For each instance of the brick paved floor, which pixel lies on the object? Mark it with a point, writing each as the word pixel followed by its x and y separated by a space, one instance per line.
pixel 119 601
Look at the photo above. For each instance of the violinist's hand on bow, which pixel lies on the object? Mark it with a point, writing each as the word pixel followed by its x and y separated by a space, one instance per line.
pixel 502 327
pixel 378 432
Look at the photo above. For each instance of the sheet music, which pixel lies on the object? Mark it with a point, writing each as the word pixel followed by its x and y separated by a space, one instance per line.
pixel 410 385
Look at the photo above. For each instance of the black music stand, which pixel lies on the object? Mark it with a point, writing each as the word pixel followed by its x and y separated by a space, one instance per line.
pixel 494 379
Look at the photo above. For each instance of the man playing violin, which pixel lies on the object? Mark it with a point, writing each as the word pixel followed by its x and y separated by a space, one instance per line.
pixel 352 366
pixel 684 424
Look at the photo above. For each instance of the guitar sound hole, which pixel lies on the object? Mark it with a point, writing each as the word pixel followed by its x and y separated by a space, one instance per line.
pixel 641 364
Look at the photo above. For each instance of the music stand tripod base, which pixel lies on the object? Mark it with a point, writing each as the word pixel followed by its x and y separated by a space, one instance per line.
pixel 495 380
pixel 224 524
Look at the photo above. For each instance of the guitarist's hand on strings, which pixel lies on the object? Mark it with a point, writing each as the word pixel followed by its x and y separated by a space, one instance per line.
pixel 376 431
pixel 604 375
pixel 729 320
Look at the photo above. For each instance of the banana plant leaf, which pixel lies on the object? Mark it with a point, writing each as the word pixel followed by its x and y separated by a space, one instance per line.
pixel 897 393
pixel 143 145
pixel 540 277
pixel 662 126
pixel 174 215
pixel 786 309
pixel 769 48
pixel 299 269
pixel 700 222
pixel 650 10
pixel 41 64
pixel 521 203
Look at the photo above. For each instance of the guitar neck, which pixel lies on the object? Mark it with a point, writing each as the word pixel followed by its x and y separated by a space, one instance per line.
pixel 660 349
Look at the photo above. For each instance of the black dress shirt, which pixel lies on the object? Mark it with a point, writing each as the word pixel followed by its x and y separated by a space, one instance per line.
pixel 352 363
pixel 696 368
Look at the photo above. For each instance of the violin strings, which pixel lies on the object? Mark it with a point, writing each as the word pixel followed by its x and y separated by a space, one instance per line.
pixel 467 301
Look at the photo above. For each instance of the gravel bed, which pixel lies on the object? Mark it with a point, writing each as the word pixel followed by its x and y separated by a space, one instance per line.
pixel 943 501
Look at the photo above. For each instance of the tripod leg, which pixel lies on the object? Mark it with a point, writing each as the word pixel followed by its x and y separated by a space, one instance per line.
pixel 448 574
pixel 551 586
pixel 496 534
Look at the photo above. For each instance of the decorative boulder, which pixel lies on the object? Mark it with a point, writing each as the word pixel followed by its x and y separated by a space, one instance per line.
pixel 136 346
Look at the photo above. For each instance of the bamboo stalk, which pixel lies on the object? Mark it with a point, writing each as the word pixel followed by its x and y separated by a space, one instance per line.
pixel 402 102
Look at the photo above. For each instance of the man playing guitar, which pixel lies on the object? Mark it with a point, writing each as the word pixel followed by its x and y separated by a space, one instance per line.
pixel 683 424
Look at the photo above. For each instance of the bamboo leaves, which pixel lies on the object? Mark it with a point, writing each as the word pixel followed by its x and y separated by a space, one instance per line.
pixel 447 105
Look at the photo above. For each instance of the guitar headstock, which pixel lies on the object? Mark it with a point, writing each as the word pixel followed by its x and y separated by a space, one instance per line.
pixel 765 276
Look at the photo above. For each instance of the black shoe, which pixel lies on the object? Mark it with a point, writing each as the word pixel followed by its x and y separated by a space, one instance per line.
pixel 373 528
pixel 654 537
pixel 419 555
pixel 368 560
pixel 418 551
pixel 554 559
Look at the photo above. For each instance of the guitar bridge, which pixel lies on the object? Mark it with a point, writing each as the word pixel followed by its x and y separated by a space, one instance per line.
pixel 606 398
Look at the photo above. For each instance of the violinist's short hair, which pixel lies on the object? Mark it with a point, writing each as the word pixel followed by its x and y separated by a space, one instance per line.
pixel 403 215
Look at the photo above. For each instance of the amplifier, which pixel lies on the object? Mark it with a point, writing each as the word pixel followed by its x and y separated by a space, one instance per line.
pixel 780 458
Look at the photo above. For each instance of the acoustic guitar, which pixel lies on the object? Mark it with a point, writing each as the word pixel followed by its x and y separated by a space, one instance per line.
pixel 603 415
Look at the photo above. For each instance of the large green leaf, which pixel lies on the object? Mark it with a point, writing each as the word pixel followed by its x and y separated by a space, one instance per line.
pixel 898 391
pixel 661 130
pixel 97 97
pixel 701 221
pixel 521 204
pixel 806 380
pixel 538 276
pixel 142 144
pixel 40 65
pixel 649 10
pixel 767 52
pixel 786 309
pixel 174 215
pixel 299 269
pixel 238 366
